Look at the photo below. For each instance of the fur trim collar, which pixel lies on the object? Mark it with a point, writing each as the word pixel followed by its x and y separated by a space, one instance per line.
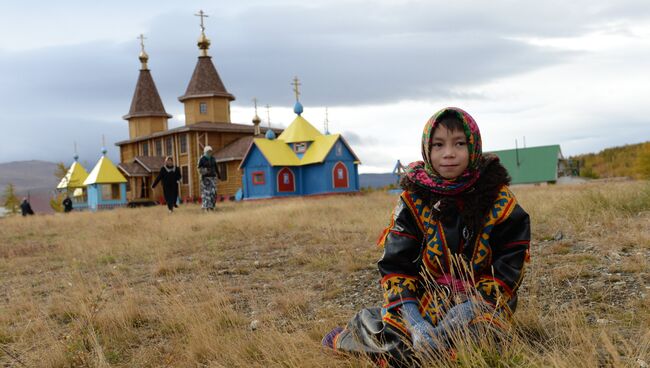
pixel 472 204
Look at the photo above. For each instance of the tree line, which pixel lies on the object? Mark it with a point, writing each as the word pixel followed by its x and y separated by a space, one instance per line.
pixel 627 161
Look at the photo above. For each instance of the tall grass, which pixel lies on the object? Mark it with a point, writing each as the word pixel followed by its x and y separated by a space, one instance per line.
pixel 258 284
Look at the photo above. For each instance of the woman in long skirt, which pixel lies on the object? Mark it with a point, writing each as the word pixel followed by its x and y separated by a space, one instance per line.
pixel 209 172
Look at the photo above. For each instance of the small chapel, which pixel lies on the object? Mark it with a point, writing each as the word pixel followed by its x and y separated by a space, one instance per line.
pixel 300 161
pixel 207 123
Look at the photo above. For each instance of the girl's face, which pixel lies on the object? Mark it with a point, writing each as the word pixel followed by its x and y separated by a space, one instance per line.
pixel 449 154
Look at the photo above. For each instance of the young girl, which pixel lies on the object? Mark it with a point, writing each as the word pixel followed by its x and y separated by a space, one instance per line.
pixel 454 250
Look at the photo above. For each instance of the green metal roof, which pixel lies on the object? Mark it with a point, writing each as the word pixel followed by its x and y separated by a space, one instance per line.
pixel 536 164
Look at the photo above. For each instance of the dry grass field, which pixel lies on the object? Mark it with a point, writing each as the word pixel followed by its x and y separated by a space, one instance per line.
pixel 258 284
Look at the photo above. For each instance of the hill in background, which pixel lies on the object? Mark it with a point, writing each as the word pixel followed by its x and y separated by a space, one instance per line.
pixel 33 178
pixel 28 175
pixel 376 180
pixel 630 160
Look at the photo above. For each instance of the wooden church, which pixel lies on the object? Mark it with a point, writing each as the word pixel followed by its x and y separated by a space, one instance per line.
pixel 301 161
pixel 207 122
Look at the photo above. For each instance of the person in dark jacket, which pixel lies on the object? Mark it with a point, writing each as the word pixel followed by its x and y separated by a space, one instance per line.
pixel 26 208
pixel 455 250
pixel 209 172
pixel 67 204
pixel 170 176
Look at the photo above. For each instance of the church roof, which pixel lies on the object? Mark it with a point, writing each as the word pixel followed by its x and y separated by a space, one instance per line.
pixel 279 153
pixel 151 163
pixel 319 149
pixel 74 178
pixel 205 82
pixel 146 100
pixel 132 169
pixel 201 127
pixel 300 130
pixel 104 172
pixel 235 150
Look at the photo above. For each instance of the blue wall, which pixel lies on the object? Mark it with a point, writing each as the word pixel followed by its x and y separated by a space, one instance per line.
pixel 96 202
pixel 255 161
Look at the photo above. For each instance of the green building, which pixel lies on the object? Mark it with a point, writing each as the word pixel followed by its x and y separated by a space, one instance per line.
pixel 533 165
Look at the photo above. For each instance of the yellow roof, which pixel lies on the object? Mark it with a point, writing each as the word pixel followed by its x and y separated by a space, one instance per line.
pixel 319 149
pixel 299 131
pixel 104 172
pixel 279 153
pixel 276 152
pixel 74 178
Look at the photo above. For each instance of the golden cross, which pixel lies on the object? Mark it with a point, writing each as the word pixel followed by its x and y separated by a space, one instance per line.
pixel 142 38
pixel 202 15
pixel 296 90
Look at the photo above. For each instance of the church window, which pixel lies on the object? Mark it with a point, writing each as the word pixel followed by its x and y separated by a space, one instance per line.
pixel 169 146
pixel 158 145
pixel 339 149
pixel 203 108
pixel 258 178
pixel 300 147
pixel 145 148
pixel 183 143
pixel 223 170
pixel 185 173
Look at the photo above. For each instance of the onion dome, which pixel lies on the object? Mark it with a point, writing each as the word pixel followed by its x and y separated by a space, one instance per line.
pixel 297 108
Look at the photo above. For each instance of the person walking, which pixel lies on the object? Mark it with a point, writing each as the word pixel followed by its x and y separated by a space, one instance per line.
pixel 209 172
pixel 26 208
pixel 170 176
pixel 67 204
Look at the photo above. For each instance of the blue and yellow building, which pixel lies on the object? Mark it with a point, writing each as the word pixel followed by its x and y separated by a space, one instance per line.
pixel 105 185
pixel 301 161
pixel 73 185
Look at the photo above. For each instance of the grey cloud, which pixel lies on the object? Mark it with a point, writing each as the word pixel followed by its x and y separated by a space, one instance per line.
pixel 53 140
pixel 346 53
pixel 356 140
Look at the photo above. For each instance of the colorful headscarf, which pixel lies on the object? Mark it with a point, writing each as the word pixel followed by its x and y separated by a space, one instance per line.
pixel 423 174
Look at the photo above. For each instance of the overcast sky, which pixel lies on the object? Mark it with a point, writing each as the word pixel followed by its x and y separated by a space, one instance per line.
pixel 574 73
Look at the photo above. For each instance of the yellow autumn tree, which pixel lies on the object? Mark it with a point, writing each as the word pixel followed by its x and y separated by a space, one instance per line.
pixel 10 200
pixel 643 161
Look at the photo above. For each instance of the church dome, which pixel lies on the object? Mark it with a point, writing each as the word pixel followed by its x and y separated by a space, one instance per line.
pixel 297 108
pixel 270 134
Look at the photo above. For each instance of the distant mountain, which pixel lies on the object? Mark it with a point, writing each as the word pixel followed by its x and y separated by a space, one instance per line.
pixel 28 175
pixel 376 180
pixel 35 178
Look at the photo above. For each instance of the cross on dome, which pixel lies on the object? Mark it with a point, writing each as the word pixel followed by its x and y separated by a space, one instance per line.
pixel 202 15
